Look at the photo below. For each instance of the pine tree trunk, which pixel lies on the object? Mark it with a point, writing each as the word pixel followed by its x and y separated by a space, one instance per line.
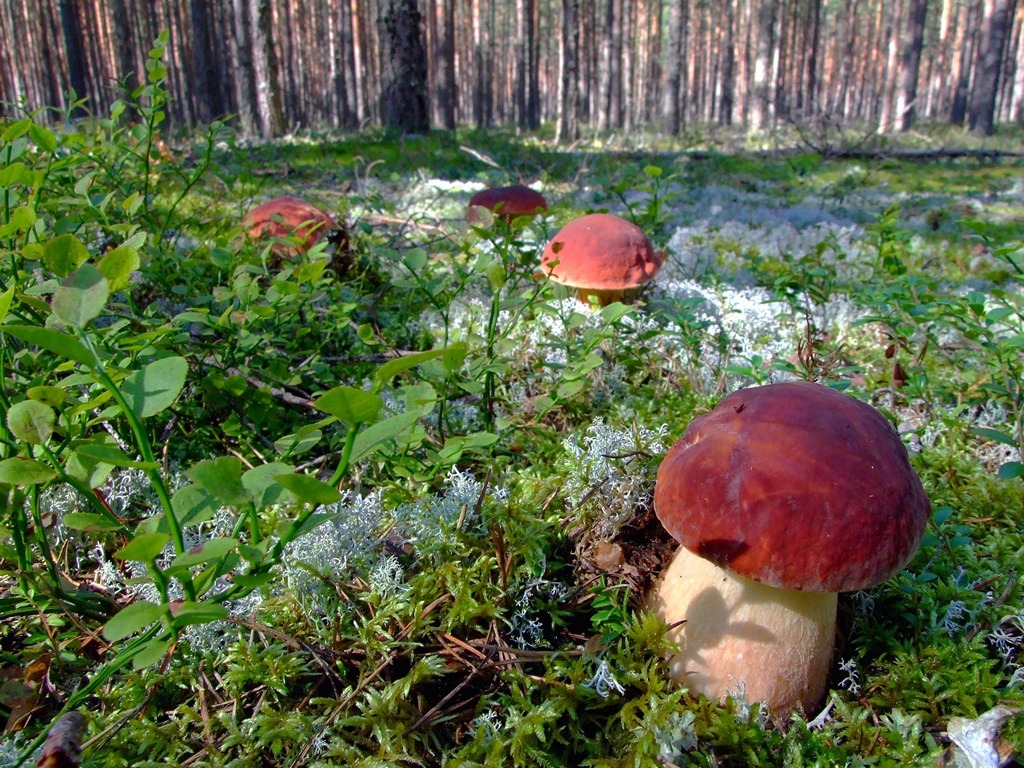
pixel 71 23
pixel 403 62
pixel 568 129
pixel 762 89
pixel 673 68
pixel 965 51
pixel 913 41
pixel 444 57
pixel 995 30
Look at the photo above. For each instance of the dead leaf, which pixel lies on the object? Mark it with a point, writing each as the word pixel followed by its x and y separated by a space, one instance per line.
pixel 63 746
pixel 977 742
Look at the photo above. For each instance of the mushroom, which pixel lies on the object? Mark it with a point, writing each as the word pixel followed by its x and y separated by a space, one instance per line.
pixel 781 496
pixel 602 255
pixel 288 217
pixel 507 202
pixel 297 226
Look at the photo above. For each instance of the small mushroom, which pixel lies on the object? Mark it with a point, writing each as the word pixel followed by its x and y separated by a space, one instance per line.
pixel 507 202
pixel 284 218
pixel 603 256
pixel 782 496
pixel 296 226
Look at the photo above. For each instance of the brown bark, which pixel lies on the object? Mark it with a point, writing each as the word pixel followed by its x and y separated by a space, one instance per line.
pixel 403 63
pixel 910 64
pixel 568 94
pixel 995 30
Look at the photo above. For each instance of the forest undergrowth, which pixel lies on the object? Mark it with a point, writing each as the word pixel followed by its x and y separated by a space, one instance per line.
pixel 395 509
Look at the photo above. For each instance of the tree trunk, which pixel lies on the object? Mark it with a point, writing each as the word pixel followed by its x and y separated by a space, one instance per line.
pixel 965 51
pixel 568 129
pixel 728 55
pixel 886 121
pixel 995 29
pixel 913 41
pixel 444 58
pixel 761 107
pixel 673 68
pixel 71 23
pixel 403 62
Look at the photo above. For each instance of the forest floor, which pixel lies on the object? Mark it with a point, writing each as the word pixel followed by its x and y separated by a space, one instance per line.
pixel 393 507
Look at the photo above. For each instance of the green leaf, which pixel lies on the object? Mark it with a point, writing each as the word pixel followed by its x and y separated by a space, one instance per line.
pixel 130 620
pixel 151 653
pixel 81 296
pixel 300 442
pixel 64 254
pixel 85 469
pixel 145 547
pixel 43 137
pixel 18 471
pixel 15 173
pixel 52 396
pixel 193 505
pixel 392 368
pixel 205 552
pixel 994 434
pixel 1011 470
pixel 31 422
pixel 350 405
pixel 156 386
pixel 89 521
pixel 21 220
pixel 309 490
pixel 5 302
pixel 108 453
pixel 117 266
pixel 197 613
pixel 261 483
pixel 373 437
pixel 222 477
pixel 16 130
pixel 52 340
pixel 415 260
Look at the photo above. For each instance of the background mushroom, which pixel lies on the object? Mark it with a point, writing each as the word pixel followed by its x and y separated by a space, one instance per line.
pixel 603 256
pixel 782 496
pixel 297 226
pixel 508 203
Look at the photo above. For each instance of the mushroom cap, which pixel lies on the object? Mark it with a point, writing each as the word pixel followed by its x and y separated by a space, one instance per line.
pixel 515 201
pixel 600 251
pixel 289 216
pixel 794 485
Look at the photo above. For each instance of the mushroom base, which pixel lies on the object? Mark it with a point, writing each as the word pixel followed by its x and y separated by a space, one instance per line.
pixel 743 637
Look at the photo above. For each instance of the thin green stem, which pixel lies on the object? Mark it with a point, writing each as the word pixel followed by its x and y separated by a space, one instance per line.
pixel 146 450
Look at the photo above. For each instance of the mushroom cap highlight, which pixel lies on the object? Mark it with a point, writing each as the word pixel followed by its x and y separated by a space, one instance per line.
pixel 794 485
pixel 600 251
pixel 508 202
pixel 289 216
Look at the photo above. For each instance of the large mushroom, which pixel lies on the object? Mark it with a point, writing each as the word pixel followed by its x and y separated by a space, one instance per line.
pixel 508 203
pixel 782 496
pixel 603 256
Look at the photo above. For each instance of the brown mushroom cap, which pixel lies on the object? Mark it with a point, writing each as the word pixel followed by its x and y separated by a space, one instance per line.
pixel 514 201
pixel 600 251
pixel 289 216
pixel 794 485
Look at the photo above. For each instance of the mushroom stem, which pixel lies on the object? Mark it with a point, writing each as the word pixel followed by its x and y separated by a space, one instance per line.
pixel 743 637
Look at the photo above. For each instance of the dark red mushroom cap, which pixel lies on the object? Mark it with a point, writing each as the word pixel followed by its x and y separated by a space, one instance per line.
pixel 289 216
pixel 508 202
pixel 794 485
pixel 602 252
